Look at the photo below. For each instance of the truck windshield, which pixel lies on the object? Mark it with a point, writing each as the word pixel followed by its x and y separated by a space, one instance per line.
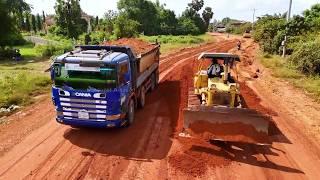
pixel 79 77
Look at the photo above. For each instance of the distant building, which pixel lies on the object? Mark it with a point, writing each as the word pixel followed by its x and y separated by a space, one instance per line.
pixel 50 21
pixel 238 23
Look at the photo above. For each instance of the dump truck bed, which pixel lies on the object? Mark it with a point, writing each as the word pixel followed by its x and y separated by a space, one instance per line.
pixel 147 63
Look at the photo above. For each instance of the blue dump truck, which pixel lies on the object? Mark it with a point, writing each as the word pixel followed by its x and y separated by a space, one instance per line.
pixel 101 86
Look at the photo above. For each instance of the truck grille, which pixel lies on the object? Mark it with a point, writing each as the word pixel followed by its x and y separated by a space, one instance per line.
pixel 97 109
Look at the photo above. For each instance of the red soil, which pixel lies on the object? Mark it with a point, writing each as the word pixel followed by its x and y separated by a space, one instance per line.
pixel 139 46
pixel 196 157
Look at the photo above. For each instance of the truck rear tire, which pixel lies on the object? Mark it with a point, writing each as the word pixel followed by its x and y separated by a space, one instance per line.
pixel 142 98
pixel 154 82
pixel 130 114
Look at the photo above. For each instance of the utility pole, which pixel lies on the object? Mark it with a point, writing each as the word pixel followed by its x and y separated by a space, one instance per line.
pixel 284 43
pixel 253 17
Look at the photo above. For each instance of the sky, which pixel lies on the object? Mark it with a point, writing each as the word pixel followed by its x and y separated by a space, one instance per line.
pixel 237 9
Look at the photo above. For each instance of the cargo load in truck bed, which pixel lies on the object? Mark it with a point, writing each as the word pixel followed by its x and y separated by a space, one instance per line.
pixel 138 46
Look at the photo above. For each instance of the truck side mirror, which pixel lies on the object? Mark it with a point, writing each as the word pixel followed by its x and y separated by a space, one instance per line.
pixel 127 77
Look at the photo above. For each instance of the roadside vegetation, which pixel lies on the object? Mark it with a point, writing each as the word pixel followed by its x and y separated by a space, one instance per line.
pixel 171 43
pixel 19 82
pixel 282 69
pixel 301 66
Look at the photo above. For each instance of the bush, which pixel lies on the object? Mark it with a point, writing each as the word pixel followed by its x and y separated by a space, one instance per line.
pixel 125 27
pixel 96 37
pixel 15 89
pixel 307 57
pixel 53 49
pixel 168 39
pixel 187 26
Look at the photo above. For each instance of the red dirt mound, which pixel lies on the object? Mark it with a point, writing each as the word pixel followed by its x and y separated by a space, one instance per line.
pixel 196 157
pixel 232 132
pixel 138 46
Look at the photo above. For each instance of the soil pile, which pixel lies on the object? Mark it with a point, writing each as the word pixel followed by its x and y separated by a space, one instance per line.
pixel 138 46
pixel 231 132
pixel 196 157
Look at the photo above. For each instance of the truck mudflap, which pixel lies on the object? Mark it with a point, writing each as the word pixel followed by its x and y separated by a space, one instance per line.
pixel 226 124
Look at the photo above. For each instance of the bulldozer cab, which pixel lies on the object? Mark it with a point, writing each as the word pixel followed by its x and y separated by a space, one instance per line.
pixel 215 76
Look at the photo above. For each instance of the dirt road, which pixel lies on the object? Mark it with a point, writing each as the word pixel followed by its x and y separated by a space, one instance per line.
pixel 34 146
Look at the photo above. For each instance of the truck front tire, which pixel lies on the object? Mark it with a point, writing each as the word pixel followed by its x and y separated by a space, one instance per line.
pixel 130 114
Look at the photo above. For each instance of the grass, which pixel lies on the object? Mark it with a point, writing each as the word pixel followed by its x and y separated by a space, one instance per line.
pixel 281 69
pixel 171 43
pixel 20 81
pixel 28 51
pixel 17 88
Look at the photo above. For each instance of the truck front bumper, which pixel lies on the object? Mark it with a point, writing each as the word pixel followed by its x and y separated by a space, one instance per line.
pixel 92 123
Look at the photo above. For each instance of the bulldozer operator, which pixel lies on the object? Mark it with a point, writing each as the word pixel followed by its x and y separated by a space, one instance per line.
pixel 216 70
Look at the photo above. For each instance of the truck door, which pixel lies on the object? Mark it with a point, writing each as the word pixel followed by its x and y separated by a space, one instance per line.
pixel 124 79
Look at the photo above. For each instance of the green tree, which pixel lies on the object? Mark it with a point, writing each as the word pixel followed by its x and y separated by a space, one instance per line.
pixel 194 17
pixel 12 20
pixel 207 15
pixel 96 23
pixel 297 26
pixel 17 8
pixel 39 23
pixel 142 11
pixel 197 5
pixel 106 24
pixel 43 17
pixel 125 27
pixel 191 13
pixel 186 26
pixel 68 18
pixel 167 20
pixel 7 25
pixel 33 23
pixel 28 25
pixel 269 31
pixel 312 17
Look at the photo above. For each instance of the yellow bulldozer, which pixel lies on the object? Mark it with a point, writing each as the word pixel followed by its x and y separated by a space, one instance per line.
pixel 215 109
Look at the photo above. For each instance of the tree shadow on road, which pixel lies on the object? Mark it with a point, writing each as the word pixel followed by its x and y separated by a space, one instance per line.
pixel 148 138
pixel 251 154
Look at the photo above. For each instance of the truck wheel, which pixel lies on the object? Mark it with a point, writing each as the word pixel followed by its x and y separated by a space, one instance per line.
pixel 153 82
pixel 142 98
pixel 130 114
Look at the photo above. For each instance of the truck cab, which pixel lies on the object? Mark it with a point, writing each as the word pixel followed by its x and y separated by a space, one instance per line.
pixel 96 87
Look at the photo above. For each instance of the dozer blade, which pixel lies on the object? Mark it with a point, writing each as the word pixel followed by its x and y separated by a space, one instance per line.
pixel 227 124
